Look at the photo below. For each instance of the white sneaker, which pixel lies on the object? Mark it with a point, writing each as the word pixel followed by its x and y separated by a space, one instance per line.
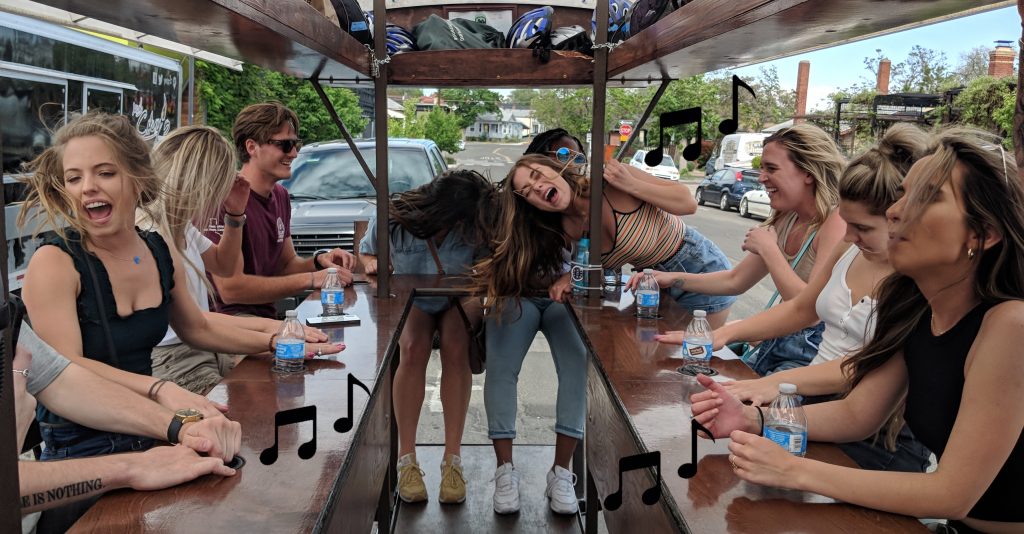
pixel 506 489
pixel 561 492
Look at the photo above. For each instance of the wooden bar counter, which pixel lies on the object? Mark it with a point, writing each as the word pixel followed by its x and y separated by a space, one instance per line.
pixel 343 487
pixel 635 404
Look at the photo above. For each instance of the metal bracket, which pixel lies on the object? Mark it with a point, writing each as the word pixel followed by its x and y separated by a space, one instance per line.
pixel 344 131
pixel 643 119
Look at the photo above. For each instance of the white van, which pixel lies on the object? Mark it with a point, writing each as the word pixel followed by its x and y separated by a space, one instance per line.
pixel 739 149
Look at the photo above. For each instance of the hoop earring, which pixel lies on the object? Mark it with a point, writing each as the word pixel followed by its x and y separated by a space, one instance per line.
pixel 970 253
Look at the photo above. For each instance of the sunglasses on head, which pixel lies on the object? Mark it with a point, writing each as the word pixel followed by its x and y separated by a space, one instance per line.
pixel 566 155
pixel 286 145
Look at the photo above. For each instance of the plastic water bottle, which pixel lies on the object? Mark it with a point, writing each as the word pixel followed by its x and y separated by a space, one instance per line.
pixel 698 341
pixel 785 422
pixel 291 345
pixel 647 296
pixel 332 295
pixel 579 272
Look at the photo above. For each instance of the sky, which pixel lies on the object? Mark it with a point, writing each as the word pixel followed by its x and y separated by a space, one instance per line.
pixel 842 66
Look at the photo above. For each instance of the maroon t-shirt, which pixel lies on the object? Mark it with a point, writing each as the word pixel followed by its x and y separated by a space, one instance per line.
pixel 267 225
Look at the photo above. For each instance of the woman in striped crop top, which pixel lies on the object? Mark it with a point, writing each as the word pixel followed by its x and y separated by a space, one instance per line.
pixel 641 220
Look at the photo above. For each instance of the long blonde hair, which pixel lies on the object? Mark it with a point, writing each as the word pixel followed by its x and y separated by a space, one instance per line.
pixel 814 152
pixel 46 173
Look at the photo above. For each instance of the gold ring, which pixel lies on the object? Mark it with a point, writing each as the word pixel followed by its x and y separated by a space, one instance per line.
pixel 734 466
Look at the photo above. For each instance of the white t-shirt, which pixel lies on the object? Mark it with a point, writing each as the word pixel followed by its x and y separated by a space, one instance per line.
pixel 195 245
pixel 847 325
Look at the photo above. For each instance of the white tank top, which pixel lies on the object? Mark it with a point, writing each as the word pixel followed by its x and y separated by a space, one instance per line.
pixel 847 327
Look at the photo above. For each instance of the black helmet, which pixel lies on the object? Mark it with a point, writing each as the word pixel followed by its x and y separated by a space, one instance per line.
pixel 572 38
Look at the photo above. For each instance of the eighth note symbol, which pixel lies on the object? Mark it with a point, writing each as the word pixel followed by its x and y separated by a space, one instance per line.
pixel 290 417
pixel 638 461
pixel 729 126
pixel 689 470
pixel 344 424
pixel 677 118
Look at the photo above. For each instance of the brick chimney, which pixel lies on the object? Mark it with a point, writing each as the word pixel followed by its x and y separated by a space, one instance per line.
pixel 1000 60
pixel 802 77
pixel 884 68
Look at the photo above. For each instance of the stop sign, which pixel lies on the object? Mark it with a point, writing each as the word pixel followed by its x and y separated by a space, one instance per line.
pixel 625 129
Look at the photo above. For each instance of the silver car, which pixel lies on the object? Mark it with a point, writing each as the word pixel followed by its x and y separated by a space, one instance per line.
pixel 329 190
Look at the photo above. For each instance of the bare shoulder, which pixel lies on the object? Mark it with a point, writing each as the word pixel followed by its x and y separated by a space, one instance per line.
pixel 50 262
pixel 1004 318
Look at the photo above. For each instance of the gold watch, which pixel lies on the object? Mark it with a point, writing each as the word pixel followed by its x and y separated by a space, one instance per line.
pixel 191 415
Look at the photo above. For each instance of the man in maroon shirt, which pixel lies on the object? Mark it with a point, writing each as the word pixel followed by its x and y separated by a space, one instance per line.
pixel 266 139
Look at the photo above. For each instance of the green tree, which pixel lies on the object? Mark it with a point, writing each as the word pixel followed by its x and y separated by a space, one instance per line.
pixel 467 104
pixel 565 108
pixel 521 97
pixel 438 125
pixel 988 103
pixel 973 64
pixel 225 92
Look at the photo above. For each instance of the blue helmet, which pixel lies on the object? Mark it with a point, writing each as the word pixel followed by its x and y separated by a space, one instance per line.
pixel 618 20
pixel 399 40
pixel 533 29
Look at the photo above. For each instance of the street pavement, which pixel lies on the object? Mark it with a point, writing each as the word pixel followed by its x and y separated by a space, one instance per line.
pixel 538 379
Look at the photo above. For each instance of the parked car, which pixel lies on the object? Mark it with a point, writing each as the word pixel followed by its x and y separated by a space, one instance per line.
pixel 709 167
pixel 726 187
pixel 755 203
pixel 329 190
pixel 666 169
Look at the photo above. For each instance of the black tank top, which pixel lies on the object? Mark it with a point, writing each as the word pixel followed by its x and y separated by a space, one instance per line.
pixel 935 369
pixel 135 335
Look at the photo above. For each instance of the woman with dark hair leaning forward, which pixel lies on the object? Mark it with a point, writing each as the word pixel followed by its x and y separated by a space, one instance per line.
pixel 448 215
pixel 949 322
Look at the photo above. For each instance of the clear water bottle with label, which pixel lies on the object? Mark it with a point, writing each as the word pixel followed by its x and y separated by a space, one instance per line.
pixel 579 270
pixel 647 295
pixel 698 345
pixel 332 294
pixel 785 422
pixel 291 345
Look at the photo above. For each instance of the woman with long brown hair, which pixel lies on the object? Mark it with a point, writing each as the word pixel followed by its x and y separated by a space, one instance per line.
pixel 438 228
pixel 944 350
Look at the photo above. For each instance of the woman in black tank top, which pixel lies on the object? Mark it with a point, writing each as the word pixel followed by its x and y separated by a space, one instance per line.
pixel 949 322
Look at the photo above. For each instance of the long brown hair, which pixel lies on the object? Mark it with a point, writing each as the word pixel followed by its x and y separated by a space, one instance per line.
pixel 457 201
pixel 528 244
pixel 813 152
pixel 46 172
pixel 992 196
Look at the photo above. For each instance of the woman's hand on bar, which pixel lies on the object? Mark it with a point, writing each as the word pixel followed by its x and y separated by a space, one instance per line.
pixel 664 279
pixel 174 397
pixel 759 391
pixel 315 350
pixel 720 412
pixel 762 461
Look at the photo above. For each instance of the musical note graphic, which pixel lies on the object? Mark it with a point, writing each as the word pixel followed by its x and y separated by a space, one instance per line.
pixel 638 461
pixel 689 470
pixel 344 424
pixel 676 118
pixel 290 417
pixel 729 126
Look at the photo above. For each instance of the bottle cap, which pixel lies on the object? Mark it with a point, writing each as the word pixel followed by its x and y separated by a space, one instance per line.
pixel 788 389
pixel 291 314
pixel 648 271
pixel 332 270
pixel 700 313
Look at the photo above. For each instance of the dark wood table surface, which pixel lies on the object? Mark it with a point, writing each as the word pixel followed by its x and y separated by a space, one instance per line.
pixel 636 405
pixel 339 488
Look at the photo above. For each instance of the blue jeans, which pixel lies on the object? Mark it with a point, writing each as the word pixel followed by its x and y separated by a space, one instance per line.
pixel 787 352
pixel 71 440
pixel 508 341
pixel 698 254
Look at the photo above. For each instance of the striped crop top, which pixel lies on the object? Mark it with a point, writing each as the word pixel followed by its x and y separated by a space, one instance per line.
pixel 644 237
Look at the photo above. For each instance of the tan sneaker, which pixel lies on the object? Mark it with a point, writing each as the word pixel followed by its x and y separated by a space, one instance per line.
pixel 410 480
pixel 453 484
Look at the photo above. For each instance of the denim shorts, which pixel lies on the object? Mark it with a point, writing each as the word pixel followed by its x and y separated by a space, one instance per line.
pixel 787 352
pixel 432 305
pixel 697 254
pixel 71 440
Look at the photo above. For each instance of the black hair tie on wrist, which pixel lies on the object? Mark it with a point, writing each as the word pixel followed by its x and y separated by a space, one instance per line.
pixel 760 415
pixel 226 212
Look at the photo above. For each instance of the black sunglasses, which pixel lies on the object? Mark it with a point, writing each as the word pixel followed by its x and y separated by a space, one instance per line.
pixel 286 145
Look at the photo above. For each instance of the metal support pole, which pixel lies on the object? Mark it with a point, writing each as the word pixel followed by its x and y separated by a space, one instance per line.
pixel 597 143
pixel 10 507
pixel 380 119
pixel 191 90
pixel 643 119
pixel 341 126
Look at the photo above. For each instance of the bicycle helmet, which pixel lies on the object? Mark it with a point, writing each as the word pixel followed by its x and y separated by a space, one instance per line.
pixel 369 21
pixel 399 40
pixel 618 21
pixel 572 38
pixel 533 29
